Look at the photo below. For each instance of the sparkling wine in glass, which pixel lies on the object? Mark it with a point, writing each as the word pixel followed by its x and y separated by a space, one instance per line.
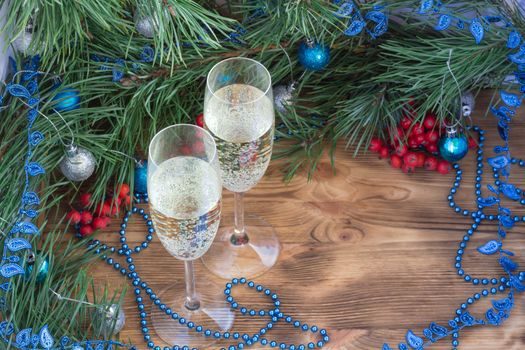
pixel 239 114
pixel 184 188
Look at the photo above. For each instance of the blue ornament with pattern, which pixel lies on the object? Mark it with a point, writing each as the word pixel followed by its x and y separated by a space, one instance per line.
pixel 314 56
pixel 453 146
pixel 66 100
pixel 141 177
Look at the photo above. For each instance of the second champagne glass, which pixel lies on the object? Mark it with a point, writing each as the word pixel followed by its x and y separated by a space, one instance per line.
pixel 239 114
pixel 184 188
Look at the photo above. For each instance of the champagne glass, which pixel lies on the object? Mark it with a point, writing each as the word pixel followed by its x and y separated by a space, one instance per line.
pixel 184 189
pixel 238 113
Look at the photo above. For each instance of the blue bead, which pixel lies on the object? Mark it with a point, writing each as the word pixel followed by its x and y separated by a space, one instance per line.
pixel 147 337
pixel 311 345
pixel 198 328
pixel 484 281
pixel 207 332
pixel 296 324
pixel 484 292
pixel 273 343
pixel 174 315
pixel 288 319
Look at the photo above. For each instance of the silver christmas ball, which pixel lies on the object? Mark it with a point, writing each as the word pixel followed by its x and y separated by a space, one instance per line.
pixel 110 320
pixel 282 96
pixel 78 164
pixel 145 25
pixel 468 103
pixel 22 42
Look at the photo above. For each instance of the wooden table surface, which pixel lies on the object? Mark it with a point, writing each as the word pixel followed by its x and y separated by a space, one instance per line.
pixel 367 253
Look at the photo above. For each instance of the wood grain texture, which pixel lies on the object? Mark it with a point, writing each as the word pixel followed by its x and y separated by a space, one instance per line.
pixel 367 253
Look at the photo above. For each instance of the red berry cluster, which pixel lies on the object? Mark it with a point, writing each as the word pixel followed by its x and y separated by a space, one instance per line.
pixel 88 222
pixel 414 145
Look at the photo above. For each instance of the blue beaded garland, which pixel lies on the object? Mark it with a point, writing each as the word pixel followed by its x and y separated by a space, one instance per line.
pixel 275 314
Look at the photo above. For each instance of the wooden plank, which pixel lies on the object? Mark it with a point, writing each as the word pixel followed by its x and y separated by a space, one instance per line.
pixel 367 253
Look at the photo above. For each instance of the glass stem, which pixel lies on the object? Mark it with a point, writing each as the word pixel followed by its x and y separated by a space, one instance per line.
pixel 192 300
pixel 239 236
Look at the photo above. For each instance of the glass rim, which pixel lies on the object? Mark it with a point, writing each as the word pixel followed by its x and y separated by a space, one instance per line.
pixel 184 125
pixel 239 58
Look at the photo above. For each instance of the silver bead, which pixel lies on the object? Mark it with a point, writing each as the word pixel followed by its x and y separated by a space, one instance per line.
pixel 145 25
pixel 468 103
pixel 282 96
pixel 109 320
pixel 78 164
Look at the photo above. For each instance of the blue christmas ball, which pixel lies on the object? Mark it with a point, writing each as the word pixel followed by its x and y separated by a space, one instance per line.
pixel 453 148
pixel 66 100
pixel 43 268
pixel 141 177
pixel 314 56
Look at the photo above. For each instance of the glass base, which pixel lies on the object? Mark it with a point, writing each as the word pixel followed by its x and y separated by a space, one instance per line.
pixel 249 256
pixel 214 314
